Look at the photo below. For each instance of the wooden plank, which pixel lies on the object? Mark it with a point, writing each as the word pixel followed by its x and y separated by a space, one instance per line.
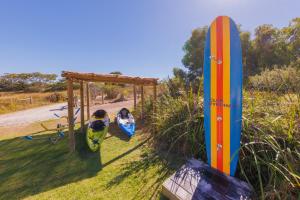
pixel 173 191
pixel 109 78
pixel 197 180
pixel 81 107
pixel 71 115
pixel 142 101
pixel 88 101
pixel 134 96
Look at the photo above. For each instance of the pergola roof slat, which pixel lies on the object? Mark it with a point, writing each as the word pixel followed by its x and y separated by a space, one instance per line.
pixel 109 78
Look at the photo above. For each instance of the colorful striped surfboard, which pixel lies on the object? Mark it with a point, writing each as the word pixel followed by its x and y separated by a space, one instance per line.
pixel 223 94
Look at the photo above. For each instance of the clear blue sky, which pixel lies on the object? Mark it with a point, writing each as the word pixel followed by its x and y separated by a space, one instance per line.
pixel 136 37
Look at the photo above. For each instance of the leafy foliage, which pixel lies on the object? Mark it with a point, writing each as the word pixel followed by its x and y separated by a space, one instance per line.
pixel 116 72
pixel 28 82
pixel 194 51
pixel 269 155
pixel 111 91
pixel 280 80
pixel 269 47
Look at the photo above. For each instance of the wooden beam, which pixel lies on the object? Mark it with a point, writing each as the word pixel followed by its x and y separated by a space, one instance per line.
pixel 134 96
pixel 142 101
pixel 81 107
pixel 88 101
pixel 109 78
pixel 71 115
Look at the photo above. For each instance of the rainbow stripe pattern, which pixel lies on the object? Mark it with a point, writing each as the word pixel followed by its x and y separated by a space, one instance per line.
pixel 223 94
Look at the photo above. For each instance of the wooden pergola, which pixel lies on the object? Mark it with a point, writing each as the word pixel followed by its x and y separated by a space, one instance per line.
pixel 85 78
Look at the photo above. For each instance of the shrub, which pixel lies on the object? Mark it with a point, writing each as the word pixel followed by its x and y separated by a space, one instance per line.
pixel 179 122
pixel 282 80
pixel 269 155
pixel 56 97
pixel 111 91
pixel 60 85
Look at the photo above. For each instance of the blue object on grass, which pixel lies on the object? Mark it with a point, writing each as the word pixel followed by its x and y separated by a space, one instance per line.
pixel 28 137
pixel 129 128
pixel 126 122
pixel 61 134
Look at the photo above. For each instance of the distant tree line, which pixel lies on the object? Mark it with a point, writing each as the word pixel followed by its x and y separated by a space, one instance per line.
pixel 39 82
pixel 31 82
pixel 270 47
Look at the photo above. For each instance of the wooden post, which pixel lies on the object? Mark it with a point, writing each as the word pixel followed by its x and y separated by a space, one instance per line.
pixel 142 100
pixel 134 97
pixel 154 103
pixel 30 100
pixel 71 116
pixel 154 98
pixel 88 101
pixel 102 96
pixel 81 107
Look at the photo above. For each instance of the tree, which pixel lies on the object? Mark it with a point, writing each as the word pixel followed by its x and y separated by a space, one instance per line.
pixel 194 53
pixel 266 39
pixel 179 73
pixel 292 38
pixel 250 64
pixel 270 47
pixel 26 81
pixel 116 72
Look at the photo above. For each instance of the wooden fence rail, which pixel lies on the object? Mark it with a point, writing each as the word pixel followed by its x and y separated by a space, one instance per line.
pixel 29 99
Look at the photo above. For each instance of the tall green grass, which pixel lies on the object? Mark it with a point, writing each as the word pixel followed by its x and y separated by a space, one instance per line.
pixel 270 149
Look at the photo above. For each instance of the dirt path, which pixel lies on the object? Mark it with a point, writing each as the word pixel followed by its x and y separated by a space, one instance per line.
pixel 26 121
pixel 24 117
pixel 44 113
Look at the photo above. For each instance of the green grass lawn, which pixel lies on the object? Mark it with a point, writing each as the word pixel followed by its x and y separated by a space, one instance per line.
pixel 123 169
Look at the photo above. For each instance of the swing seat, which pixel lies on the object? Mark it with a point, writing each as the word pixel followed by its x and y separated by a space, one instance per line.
pixel 97 130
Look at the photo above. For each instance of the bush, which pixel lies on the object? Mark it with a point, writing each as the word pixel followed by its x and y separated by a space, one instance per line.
pixel 269 155
pixel 179 122
pixel 56 97
pixel 282 80
pixel 111 91
pixel 60 85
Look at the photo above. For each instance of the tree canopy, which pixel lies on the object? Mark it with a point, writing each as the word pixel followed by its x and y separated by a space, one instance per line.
pixel 269 47
pixel 194 52
pixel 26 81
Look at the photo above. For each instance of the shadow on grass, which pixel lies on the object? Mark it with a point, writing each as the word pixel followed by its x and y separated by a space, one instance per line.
pixel 115 131
pixel 32 167
pixel 152 166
